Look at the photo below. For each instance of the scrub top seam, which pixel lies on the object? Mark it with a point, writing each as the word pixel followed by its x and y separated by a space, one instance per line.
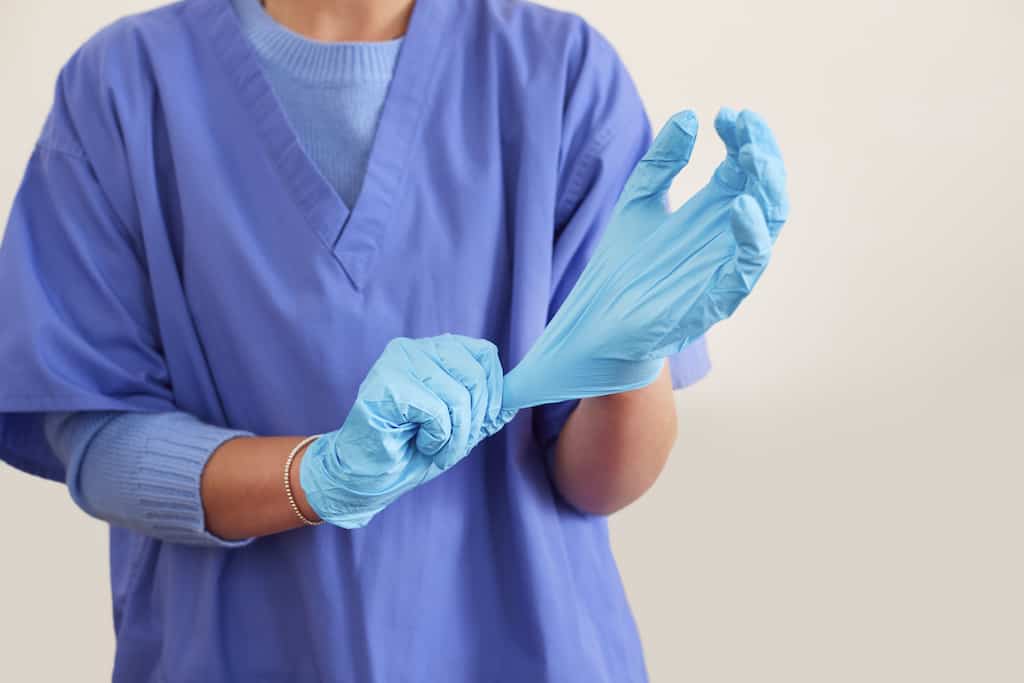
pixel 577 179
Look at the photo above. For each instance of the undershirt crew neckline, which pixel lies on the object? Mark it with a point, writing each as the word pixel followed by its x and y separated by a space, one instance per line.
pixel 313 61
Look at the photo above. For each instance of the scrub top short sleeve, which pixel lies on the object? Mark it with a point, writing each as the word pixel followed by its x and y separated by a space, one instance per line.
pixel 74 279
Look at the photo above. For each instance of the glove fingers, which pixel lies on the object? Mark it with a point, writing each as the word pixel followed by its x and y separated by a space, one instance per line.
pixel 736 277
pixel 486 354
pixel 729 172
pixel 725 126
pixel 464 368
pixel 751 129
pixel 768 184
pixel 455 399
pixel 761 159
pixel 753 241
pixel 396 389
pixel 420 405
pixel 666 157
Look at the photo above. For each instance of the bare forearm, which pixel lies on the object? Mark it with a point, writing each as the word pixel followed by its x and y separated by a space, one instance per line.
pixel 613 448
pixel 242 488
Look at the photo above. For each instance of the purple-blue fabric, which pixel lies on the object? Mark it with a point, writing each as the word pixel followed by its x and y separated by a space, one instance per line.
pixel 173 248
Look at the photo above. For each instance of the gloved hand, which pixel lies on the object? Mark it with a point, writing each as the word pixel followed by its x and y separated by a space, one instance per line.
pixel 423 406
pixel 658 280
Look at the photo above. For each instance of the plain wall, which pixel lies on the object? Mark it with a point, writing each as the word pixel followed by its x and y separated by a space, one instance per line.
pixel 844 500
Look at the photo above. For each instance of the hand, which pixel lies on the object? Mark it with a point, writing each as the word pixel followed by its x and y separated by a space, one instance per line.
pixel 658 280
pixel 423 406
pixel 707 256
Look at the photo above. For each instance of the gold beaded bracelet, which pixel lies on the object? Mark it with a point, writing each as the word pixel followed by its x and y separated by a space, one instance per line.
pixel 288 480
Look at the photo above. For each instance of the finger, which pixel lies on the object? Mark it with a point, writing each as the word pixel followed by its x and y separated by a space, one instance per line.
pixel 669 153
pixel 761 158
pixel 768 185
pixel 456 399
pixel 464 368
pixel 753 241
pixel 752 129
pixel 487 356
pixel 725 126
pixel 729 171
pixel 418 405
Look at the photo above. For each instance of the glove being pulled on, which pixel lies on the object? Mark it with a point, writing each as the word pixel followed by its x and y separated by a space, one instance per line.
pixel 423 406
pixel 658 280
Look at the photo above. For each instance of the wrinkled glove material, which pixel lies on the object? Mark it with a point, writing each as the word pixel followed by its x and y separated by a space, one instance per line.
pixel 423 406
pixel 659 279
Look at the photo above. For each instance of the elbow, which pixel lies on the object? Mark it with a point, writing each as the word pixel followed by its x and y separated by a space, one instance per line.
pixel 601 507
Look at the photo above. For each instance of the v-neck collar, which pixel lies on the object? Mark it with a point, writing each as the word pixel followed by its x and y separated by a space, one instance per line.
pixel 354 235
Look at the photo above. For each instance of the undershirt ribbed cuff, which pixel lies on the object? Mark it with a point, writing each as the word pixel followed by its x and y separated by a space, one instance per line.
pixel 143 470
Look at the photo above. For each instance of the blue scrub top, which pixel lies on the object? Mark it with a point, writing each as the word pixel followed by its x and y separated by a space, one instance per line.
pixel 172 248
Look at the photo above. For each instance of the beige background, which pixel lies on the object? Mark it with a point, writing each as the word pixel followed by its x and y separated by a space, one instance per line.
pixel 844 503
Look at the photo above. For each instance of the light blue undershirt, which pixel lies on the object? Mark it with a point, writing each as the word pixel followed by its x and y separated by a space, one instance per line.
pixel 332 93
pixel 143 470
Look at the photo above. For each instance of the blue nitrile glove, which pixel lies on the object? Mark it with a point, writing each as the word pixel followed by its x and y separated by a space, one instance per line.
pixel 424 404
pixel 658 280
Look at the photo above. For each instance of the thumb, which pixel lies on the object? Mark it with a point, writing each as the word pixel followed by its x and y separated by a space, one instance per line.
pixel 435 430
pixel 667 156
pixel 416 406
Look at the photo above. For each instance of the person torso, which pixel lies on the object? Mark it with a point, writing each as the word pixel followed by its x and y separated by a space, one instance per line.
pixel 273 299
